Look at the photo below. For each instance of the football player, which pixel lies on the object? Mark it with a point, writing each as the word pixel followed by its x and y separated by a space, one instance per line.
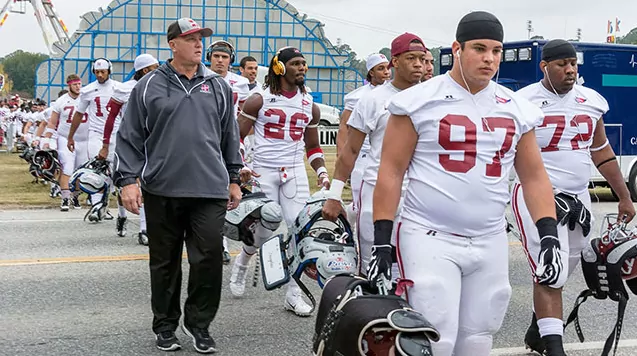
pixel 285 121
pixel 429 66
pixel 571 138
pixel 92 101
pixel 458 135
pixel 368 122
pixel 221 55
pixel 143 64
pixel 59 124
pixel 377 74
pixel 249 68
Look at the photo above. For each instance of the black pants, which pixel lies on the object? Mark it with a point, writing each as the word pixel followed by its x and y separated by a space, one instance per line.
pixel 199 222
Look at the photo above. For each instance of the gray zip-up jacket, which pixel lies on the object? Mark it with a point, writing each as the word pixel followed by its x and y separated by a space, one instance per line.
pixel 179 136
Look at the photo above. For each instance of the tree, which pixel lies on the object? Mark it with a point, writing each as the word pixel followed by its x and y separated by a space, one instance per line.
pixel 630 38
pixel 20 67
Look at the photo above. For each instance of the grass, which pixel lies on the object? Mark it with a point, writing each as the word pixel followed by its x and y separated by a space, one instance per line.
pixel 18 191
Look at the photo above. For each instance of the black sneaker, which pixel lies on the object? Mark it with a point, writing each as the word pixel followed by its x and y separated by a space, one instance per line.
pixel 76 203
pixel 121 226
pixel 201 339
pixel 226 257
pixel 65 205
pixel 167 341
pixel 532 338
pixel 142 238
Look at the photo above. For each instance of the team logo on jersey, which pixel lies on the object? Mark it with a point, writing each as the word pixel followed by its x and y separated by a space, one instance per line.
pixel 580 100
pixel 545 103
pixel 449 97
pixel 501 100
pixel 232 82
pixel 205 88
pixel 305 102
pixel 273 100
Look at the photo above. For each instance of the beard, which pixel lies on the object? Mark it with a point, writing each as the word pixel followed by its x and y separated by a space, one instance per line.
pixel 300 82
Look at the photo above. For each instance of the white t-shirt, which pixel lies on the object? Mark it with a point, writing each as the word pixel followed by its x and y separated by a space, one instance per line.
pixel 458 174
pixel 93 100
pixel 280 128
pixel 566 134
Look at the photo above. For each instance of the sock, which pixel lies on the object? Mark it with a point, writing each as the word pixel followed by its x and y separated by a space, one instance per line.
pixel 244 257
pixel 550 326
pixel 66 194
pixel 121 211
pixel 225 244
pixel 142 219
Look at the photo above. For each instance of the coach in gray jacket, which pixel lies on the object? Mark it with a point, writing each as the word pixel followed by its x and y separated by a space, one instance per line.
pixel 180 139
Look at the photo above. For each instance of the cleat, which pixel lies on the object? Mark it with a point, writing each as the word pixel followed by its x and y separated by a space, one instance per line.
pixel 65 205
pixel 121 226
pixel 142 238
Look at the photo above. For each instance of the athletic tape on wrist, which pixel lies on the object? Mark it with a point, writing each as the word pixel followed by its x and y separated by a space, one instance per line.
pixel 336 188
pixel 321 170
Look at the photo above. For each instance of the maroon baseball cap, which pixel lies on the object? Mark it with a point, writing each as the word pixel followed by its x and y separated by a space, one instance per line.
pixel 185 26
pixel 405 43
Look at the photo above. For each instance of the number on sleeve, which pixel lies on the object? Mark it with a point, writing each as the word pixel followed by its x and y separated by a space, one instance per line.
pixel 467 146
pixel 98 103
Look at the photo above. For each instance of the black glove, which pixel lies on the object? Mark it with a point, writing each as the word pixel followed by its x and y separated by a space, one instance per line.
pixel 549 264
pixel 379 269
pixel 563 203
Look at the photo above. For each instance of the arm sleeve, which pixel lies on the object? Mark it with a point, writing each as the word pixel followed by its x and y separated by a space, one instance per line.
pixel 130 153
pixel 230 138
pixel 113 108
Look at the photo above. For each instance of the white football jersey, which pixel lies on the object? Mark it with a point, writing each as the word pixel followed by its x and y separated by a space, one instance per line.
pixel 458 175
pixel 566 134
pixel 65 107
pixel 370 116
pixel 351 99
pixel 280 128
pixel 240 89
pixel 93 100
pixel 258 88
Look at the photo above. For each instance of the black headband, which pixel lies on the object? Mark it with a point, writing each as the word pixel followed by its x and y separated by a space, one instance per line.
pixel 289 53
pixel 479 25
pixel 221 48
pixel 558 49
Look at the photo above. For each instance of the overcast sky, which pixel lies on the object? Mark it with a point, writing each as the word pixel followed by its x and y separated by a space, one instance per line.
pixel 368 25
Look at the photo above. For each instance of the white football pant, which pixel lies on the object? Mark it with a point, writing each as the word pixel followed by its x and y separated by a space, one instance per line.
pixel 461 285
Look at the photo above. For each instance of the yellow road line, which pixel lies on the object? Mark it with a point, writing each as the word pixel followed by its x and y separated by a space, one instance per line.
pixel 80 259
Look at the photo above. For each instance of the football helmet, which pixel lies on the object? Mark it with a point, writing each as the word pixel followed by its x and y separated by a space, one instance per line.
pixel 46 165
pixel 608 267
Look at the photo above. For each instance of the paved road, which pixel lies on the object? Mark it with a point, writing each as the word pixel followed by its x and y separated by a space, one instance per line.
pixel 69 288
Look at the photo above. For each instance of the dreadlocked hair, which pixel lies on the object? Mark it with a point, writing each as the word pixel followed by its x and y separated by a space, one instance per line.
pixel 273 81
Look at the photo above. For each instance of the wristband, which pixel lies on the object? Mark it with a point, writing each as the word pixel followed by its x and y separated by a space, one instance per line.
pixel 382 232
pixel 314 154
pixel 336 188
pixel 234 178
pixel 49 130
pixel 546 226
pixel 321 170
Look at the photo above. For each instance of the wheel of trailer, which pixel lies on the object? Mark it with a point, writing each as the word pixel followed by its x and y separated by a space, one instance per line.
pixel 632 183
